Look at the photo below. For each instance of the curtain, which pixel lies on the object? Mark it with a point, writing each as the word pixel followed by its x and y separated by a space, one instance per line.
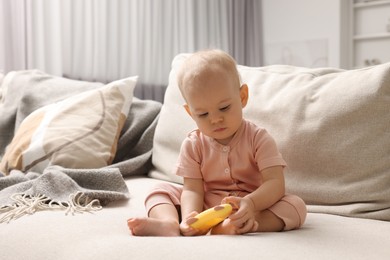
pixel 105 40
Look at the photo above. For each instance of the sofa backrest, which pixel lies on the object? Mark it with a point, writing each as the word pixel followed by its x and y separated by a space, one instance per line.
pixel 332 126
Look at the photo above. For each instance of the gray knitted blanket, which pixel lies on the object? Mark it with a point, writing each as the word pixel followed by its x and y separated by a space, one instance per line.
pixel 73 190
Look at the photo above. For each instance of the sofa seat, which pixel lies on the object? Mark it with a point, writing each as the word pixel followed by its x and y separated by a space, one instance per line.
pixel 104 235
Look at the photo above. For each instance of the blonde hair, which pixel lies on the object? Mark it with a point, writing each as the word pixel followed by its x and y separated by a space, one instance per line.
pixel 204 61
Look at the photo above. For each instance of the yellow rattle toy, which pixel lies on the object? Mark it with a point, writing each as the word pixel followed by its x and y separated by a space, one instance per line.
pixel 211 217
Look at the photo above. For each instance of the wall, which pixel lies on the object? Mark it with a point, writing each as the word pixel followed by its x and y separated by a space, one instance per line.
pixel 306 33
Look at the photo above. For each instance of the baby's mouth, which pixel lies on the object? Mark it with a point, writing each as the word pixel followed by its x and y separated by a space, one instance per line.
pixel 220 129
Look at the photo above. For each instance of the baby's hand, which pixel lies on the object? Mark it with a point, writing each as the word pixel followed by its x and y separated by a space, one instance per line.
pixel 187 230
pixel 244 218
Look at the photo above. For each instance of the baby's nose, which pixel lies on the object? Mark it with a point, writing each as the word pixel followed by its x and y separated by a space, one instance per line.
pixel 216 118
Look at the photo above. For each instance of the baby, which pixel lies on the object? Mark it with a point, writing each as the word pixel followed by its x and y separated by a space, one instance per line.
pixel 226 160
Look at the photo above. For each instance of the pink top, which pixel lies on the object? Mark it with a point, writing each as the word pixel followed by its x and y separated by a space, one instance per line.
pixel 228 170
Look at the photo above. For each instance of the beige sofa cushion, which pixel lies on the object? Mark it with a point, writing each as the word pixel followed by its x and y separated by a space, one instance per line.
pixel 332 127
pixel 81 131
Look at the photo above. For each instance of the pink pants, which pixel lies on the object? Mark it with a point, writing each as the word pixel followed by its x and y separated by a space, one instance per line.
pixel 291 209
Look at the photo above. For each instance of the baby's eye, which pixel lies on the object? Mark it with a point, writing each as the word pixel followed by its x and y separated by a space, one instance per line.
pixel 203 115
pixel 225 108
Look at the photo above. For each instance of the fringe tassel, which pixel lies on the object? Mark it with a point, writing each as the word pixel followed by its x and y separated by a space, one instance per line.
pixel 27 205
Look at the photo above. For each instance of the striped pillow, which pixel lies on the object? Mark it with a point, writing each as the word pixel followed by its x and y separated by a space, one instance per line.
pixel 79 132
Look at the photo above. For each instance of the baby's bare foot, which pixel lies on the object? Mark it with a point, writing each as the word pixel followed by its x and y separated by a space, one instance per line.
pixel 224 228
pixel 153 227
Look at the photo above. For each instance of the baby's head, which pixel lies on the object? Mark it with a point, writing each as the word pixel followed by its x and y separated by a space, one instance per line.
pixel 210 84
pixel 202 65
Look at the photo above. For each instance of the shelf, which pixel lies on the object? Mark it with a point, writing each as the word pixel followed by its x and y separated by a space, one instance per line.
pixel 369 32
pixel 371 36
pixel 371 3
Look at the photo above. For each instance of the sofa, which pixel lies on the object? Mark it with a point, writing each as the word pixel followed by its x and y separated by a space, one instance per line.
pixel 78 158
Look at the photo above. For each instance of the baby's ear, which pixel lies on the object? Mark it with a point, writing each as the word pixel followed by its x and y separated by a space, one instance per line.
pixel 187 108
pixel 244 95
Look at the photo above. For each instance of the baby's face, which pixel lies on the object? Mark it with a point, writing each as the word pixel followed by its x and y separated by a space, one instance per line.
pixel 215 104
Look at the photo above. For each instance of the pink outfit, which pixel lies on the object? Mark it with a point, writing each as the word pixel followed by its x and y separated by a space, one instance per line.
pixel 230 170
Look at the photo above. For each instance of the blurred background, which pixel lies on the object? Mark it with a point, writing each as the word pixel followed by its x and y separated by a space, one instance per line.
pixel 105 40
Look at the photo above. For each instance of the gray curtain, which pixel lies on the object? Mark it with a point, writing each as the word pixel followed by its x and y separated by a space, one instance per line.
pixel 105 40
